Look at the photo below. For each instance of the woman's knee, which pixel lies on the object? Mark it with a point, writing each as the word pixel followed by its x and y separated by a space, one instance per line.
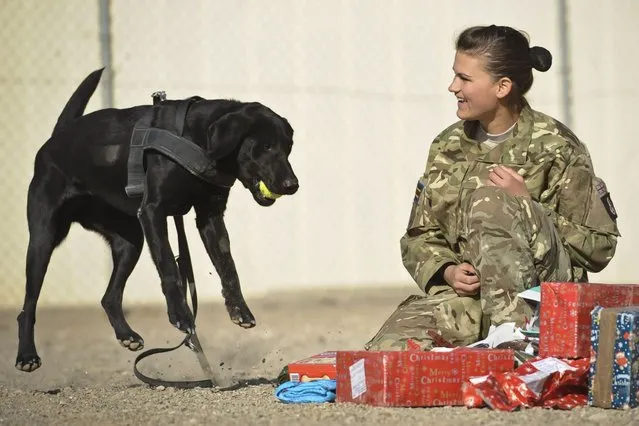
pixel 491 205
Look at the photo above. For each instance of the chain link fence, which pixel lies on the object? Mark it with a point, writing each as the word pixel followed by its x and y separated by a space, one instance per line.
pixel 45 46
pixel 363 83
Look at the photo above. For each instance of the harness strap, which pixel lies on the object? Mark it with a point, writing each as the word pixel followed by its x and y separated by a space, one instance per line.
pixel 172 144
pixel 180 115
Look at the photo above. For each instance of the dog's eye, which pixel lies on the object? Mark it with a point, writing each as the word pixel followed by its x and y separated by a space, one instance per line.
pixel 267 147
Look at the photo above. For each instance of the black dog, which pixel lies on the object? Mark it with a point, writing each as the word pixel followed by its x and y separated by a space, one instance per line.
pixel 80 175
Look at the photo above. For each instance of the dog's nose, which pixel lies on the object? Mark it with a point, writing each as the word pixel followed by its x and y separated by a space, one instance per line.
pixel 290 186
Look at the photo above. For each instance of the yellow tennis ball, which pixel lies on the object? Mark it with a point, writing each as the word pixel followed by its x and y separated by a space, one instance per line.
pixel 267 192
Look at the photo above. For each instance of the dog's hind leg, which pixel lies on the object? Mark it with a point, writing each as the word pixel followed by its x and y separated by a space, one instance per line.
pixel 48 226
pixel 124 235
pixel 126 249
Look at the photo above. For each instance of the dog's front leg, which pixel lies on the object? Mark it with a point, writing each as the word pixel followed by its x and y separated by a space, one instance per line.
pixel 153 221
pixel 216 240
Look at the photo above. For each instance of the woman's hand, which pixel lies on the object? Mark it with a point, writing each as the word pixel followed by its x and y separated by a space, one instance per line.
pixel 462 278
pixel 509 180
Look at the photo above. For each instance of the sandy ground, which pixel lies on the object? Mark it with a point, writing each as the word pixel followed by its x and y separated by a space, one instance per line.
pixel 87 378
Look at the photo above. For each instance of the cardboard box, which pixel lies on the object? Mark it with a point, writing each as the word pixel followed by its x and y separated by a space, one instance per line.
pixel 565 314
pixel 414 378
pixel 614 361
pixel 320 366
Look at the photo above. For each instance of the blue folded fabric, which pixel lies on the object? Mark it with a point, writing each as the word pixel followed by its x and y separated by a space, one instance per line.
pixel 307 392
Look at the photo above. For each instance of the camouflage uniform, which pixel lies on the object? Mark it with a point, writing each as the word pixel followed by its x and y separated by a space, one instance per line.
pixel 567 228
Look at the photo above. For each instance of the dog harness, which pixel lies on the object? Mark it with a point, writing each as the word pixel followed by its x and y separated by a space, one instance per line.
pixel 173 144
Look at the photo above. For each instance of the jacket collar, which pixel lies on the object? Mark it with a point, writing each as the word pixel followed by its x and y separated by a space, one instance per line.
pixel 512 151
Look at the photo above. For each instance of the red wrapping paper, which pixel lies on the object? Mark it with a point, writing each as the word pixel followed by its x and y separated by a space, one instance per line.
pixel 413 378
pixel 509 391
pixel 564 319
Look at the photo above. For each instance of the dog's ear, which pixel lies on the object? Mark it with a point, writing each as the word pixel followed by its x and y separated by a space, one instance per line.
pixel 226 133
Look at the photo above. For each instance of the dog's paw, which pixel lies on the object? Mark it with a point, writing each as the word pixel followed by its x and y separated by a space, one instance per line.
pixel 242 316
pixel 182 319
pixel 132 343
pixel 28 363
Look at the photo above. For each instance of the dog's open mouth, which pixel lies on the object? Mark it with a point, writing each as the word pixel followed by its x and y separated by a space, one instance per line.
pixel 262 195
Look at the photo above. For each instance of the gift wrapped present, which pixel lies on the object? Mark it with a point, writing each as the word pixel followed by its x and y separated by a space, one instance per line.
pixel 414 378
pixel 317 367
pixel 565 314
pixel 614 359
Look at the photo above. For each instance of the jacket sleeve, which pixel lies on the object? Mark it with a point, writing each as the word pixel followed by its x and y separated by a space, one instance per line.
pixel 424 248
pixel 584 214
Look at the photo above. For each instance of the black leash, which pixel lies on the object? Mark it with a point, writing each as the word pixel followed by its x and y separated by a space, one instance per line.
pixel 186 279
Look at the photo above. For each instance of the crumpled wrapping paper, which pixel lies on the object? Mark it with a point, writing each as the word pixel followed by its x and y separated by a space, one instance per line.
pixel 539 382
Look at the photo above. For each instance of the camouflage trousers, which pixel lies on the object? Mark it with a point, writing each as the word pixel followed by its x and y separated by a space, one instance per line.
pixel 513 245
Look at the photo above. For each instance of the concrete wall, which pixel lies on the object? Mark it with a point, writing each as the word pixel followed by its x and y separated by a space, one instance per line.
pixel 362 82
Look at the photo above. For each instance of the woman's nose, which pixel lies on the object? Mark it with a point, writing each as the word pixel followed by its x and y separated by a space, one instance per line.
pixel 452 88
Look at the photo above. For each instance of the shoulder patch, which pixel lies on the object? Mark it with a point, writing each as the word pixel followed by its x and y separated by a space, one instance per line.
pixel 418 191
pixel 604 195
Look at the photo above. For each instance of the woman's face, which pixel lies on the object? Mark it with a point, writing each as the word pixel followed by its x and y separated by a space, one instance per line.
pixel 475 89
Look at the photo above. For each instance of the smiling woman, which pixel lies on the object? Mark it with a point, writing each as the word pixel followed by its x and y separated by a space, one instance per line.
pixel 509 198
pixel 493 72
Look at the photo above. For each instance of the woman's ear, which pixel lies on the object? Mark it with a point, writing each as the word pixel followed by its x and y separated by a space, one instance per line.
pixel 504 87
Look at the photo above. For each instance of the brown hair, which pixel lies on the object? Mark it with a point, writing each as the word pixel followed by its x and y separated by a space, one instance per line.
pixel 508 54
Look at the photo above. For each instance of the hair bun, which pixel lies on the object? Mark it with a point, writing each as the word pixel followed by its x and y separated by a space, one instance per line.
pixel 541 58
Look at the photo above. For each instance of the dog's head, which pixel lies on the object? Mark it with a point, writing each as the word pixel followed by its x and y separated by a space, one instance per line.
pixel 257 143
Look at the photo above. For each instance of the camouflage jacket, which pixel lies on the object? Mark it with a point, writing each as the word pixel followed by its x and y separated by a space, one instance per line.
pixel 558 173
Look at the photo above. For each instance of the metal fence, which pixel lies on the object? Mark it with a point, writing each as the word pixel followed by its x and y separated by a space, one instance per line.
pixel 362 82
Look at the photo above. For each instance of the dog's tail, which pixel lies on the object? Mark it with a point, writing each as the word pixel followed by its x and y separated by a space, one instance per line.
pixel 79 99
